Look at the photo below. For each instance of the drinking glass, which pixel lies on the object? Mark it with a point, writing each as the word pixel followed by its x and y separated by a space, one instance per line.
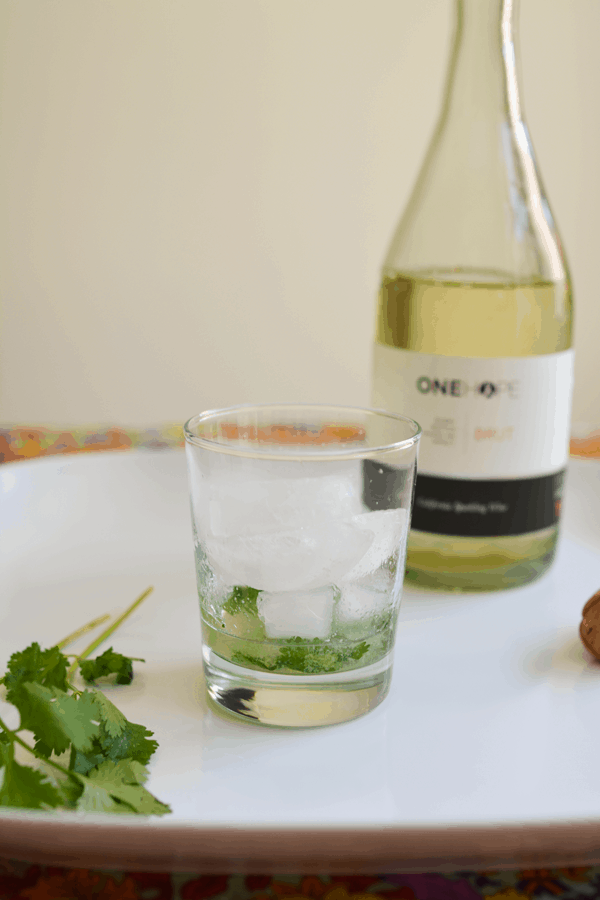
pixel 300 516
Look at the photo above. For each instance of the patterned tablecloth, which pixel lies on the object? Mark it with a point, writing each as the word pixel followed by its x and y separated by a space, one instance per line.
pixel 24 880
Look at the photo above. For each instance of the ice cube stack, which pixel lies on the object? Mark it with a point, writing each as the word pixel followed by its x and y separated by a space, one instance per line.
pixel 293 532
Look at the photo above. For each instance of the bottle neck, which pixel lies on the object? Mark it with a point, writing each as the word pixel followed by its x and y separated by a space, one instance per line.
pixel 478 208
pixel 482 78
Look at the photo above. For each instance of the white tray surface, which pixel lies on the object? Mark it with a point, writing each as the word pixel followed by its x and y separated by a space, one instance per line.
pixel 492 716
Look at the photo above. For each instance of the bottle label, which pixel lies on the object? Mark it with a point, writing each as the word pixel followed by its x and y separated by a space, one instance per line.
pixel 473 508
pixel 495 436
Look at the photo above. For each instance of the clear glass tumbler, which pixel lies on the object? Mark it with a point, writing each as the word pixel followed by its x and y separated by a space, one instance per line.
pixel 300 517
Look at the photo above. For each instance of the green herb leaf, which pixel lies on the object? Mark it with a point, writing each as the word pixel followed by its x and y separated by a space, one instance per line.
pixel 242 599
pixel 36 666
pixel 82 763
pixel 359 651
pixel 246 659
pixel 57 719
pixel 23 786
pixel 112 720
pixel 132 743
pixel 108 754
pixel 130 771
pixel 96 798
pixel 118 787
pixel 310 660
pixel 308 657
pixel 108 663
pixel 68 788
pixel 119 739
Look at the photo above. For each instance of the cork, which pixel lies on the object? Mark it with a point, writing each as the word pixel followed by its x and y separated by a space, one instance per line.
pixel 589 630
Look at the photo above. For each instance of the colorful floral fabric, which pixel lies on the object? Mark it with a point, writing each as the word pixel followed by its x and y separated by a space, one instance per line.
pixel 19 442
pixel 27 442
pixel 34 882
pixel 22 880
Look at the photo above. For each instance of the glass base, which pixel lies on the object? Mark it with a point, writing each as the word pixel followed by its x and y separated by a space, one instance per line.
pixel 436 562
pixel 303 701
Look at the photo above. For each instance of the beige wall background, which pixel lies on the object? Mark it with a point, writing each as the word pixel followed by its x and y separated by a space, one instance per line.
pixel 196 195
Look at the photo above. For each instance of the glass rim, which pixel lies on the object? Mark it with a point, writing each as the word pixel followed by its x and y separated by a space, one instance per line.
pixel 301 454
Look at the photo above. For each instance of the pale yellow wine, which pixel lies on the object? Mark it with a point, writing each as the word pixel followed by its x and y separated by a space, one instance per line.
pixel 472 315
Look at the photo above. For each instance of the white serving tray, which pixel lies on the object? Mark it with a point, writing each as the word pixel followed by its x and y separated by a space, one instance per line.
pixel 485 754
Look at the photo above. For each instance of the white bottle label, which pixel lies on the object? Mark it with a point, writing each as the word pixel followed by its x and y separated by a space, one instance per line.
pixel 481 418
pixel 495 437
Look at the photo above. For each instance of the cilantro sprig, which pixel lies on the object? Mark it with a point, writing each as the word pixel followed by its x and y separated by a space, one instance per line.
pixel 242 600
pixel 107 754
pixel 109 663
pixel 312 657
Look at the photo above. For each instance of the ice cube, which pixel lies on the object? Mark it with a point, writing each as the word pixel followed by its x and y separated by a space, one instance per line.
pixel 289 560
pixel 305 614
pixel 385 529
pixel 359 602
pixel 259 499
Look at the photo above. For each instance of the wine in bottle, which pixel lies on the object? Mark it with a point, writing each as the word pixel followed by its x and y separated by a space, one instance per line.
pixel 474 329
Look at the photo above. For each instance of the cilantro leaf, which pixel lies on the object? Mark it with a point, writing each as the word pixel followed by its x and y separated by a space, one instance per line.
pixel 36 666
pixel 140 799
pixel 308 657
pixel 108 663
pixel 82 763
pixel 108 754
pixel 118 787
pixel 69 789
pixel 119 739
pixel 256 661
pixel 359 651
pixel 132 743
pixel 96 798
pixel 311 660
pixel 23 786
pixel 57 719
pixel 112 719
pixel 242 599
pixel 133 772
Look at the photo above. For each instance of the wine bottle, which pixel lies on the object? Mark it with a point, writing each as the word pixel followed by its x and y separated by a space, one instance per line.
pixel 474 329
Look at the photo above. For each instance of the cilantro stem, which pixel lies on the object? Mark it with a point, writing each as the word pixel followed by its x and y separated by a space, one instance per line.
pixel 107 632
pixel 83 630
pixel 15 737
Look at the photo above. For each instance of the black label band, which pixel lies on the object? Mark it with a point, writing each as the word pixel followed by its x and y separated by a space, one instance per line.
pixel 466 508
